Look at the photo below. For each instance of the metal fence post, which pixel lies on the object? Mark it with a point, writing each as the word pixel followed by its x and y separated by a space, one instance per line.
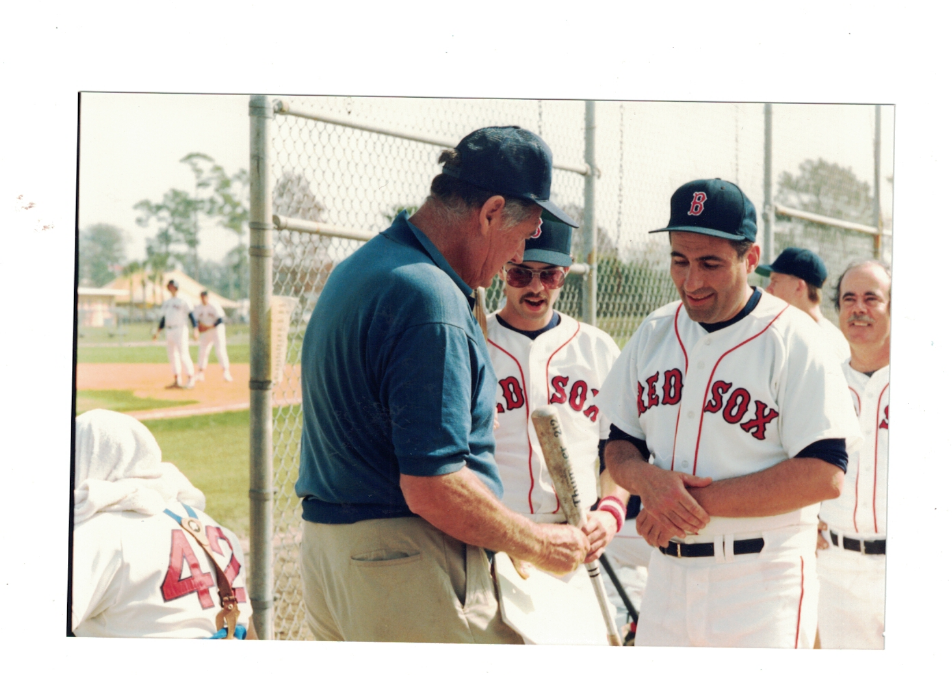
pixel 768 213
pixel 877 218
pixel 260 493
pixel 589 238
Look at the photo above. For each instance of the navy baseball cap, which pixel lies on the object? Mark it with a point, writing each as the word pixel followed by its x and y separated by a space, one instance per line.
pixel 551 244
pixel 797 262
pixel 509 161
pixel 713 207
pixel 173 283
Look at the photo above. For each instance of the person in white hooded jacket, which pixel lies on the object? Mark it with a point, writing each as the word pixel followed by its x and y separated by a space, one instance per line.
pixel 136 571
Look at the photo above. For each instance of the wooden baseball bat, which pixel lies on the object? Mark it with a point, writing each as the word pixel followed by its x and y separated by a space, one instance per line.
pixel 549 430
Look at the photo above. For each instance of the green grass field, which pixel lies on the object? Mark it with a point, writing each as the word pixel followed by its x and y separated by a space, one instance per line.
pixel 212 451
pixel 120 401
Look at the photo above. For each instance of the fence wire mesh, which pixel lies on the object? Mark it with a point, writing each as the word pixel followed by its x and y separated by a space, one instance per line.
pixel 359 180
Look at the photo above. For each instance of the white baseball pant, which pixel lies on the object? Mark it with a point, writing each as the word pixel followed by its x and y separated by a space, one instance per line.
pixel 214 337
pixel 176 343
pixel 852 599
pixel 766 599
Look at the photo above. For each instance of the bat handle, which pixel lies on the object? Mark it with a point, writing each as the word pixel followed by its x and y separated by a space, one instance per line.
pixel 608 610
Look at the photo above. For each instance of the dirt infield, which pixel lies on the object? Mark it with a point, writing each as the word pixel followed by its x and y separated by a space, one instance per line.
pixel 148 380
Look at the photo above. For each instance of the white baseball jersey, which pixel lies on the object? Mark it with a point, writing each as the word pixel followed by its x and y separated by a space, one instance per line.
pixel 723 404
pixel 834 340
pixel 860 511
pixel 175 311
pixel 564 367
pixel 208 314
pixel 853 584
pixel 144 576
pixel 732 402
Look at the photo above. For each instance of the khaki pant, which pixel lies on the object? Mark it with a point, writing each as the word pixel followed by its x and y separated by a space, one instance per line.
pixel 398 580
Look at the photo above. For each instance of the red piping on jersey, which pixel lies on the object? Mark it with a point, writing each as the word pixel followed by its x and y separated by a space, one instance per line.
pixel 876 455
pixel 697 446
pixel 856 494
pixel 859 401
pixel 796 641
pixel 528 440
pixel 677 420
pixel 859 409
pixel 578 327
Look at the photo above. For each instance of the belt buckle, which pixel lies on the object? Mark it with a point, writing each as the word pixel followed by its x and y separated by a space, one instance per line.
pixel 862 546
pixel 678 544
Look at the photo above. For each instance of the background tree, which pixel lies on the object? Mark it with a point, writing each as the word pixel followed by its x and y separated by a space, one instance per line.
pixel 101 250
pixel 176 218
pixel 826 189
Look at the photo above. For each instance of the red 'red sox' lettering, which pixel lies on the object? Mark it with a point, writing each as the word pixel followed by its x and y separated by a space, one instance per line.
pixel 736 407
pixel 884 424
pixel 575 395
pixel 648 396
pixel 512 392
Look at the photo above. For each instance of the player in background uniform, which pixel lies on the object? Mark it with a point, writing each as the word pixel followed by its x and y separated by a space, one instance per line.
pixel 851 561
pixel 746 421
pixel 136 572
pixel 175 313
pixel 211 328
pixel 797 276
pixel 542 357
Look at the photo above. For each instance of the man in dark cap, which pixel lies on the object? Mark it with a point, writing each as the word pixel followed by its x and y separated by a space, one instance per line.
pixel 401 493
pixel 797 276
pixel 749 425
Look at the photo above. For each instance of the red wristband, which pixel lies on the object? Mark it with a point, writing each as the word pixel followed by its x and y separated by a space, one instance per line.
pixel 613 506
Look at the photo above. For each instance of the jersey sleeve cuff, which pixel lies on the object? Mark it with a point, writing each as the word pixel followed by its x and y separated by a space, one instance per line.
pixel 830 450
pixel 616 434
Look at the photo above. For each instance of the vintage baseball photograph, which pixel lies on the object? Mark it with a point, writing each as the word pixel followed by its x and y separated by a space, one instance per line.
pixel 491 371
pixel 476 338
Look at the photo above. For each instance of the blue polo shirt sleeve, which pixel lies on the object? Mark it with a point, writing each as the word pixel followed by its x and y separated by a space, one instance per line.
pixel 428 387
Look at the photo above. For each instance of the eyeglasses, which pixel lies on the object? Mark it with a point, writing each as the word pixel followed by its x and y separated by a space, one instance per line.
pixel 520 277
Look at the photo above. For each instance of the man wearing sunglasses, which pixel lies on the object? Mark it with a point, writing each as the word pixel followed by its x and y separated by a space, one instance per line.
pixel 399 485
pixel 732 421
pixel 542 357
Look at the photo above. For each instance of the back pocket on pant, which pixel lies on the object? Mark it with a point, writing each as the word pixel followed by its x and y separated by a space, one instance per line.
pixel 382 556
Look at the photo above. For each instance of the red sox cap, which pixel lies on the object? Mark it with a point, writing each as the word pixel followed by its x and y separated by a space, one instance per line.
pixel 713 207
pixel 509 161
pixel 797 262
pixel 551 244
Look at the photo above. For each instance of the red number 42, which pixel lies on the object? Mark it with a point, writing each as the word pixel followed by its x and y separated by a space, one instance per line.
pixel 198 581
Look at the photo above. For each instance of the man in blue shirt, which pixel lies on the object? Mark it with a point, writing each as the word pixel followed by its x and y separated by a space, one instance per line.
pixel 399 483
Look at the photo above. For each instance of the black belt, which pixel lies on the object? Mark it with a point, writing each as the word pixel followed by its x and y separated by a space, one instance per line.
pixel 707 550
pixel 867 546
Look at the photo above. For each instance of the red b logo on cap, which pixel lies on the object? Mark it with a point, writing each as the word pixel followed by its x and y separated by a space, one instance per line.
pixel 538 232
pixel 697 206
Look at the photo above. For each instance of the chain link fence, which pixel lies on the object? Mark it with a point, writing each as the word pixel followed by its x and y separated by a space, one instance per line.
pixel 330 176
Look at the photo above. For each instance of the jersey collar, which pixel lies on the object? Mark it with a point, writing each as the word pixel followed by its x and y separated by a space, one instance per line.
pixel 748 308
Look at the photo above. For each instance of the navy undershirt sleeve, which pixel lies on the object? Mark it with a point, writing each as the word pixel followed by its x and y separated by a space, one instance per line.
pixel 831 450
pixel 162 323
pixel 634 501
pixel 217 322
pixel 191 317
pixel 616 434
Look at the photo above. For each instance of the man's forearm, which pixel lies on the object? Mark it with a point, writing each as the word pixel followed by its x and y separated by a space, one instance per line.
pixel 460 505
pixel 609 488
pixel 625 465
pixel 785 487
